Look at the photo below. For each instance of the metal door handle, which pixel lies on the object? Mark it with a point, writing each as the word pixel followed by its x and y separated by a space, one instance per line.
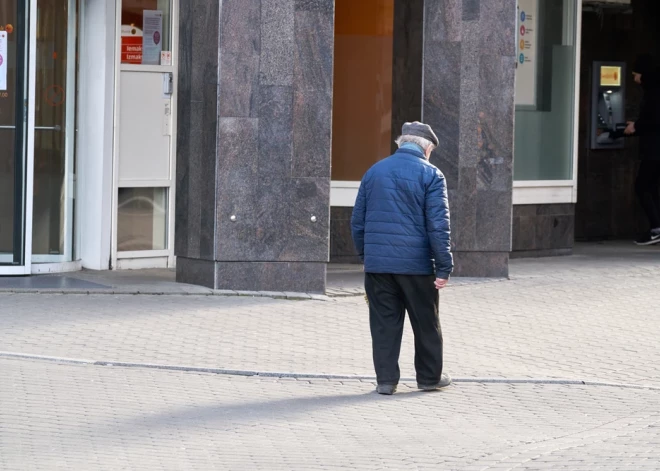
pixel 38 128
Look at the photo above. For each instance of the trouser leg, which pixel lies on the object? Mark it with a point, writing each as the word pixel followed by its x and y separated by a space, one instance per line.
pixel 646 188
pixel 421 302
pixel 386 316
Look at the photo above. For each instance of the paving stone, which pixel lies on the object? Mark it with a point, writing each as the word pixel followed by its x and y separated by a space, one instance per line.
pixel 97 418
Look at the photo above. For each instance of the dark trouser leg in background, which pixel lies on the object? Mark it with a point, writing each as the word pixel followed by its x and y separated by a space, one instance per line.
pixel 386 316
pixel 646 187
pixel 421 301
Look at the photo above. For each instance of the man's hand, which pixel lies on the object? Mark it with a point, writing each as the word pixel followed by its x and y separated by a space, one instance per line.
pixel 440 283
pixel 630 129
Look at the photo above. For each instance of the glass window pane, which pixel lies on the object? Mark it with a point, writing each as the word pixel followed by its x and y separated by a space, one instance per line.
pixel 142 219
pixel 146 31
pixel 362 103
pixel 544 125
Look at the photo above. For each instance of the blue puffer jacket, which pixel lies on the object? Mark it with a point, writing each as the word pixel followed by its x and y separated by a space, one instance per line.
pixel 400 221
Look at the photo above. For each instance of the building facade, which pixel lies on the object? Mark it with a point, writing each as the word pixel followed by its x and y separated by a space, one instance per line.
pixel 227 139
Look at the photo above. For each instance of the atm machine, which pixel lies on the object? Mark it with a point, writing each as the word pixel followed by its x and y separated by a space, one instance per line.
pixel 608 105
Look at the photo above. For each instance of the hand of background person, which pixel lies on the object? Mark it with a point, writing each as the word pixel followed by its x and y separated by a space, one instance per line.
pixel 440 283
pixel 630 129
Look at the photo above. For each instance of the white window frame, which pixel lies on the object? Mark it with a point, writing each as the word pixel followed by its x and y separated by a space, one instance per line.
pixel 558 191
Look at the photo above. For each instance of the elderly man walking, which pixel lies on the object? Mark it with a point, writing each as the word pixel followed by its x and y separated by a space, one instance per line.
pixel 401 230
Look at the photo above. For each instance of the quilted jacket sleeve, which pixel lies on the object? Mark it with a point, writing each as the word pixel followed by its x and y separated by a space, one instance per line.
pixel 438 225
pixel 358 220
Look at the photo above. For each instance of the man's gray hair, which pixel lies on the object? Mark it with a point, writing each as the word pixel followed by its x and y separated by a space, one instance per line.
pixel 420 141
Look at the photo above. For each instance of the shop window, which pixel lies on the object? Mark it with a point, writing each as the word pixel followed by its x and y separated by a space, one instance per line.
pixel 362 103
pixel 146 32
pixel 142 219
pixel 545 90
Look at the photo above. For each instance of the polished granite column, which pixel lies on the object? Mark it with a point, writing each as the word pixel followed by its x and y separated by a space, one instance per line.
pixel 253 152
pixel 468 99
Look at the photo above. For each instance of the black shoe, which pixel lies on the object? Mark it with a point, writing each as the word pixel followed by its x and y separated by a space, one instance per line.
pixel 649 238
pixel 445 380
pixel 386 389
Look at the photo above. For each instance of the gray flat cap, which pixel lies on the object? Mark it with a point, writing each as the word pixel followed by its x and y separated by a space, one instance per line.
pixel 420 130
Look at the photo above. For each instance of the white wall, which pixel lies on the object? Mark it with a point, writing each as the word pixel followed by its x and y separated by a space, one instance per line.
pixel 95 133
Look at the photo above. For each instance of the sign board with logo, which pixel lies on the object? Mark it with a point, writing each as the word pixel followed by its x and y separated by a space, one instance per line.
pixel 152 39
pixel 3 61
pixel 526 53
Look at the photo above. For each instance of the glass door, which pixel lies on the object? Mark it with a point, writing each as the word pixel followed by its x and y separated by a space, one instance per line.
pixel 54 133
pixel 14 120
pixel 37 132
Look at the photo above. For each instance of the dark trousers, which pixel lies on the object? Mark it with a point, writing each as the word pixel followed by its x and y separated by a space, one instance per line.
pixel 646 187
pixel 390 296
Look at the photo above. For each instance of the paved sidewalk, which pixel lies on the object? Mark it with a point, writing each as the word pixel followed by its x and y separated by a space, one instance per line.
pixel 575 318
pixel 90 418
pixel 591 317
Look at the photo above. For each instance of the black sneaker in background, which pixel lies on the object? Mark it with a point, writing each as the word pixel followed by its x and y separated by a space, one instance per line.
pixel 649 238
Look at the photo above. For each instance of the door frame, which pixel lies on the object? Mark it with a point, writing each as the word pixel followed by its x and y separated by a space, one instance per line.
pixel 28 151
pixel 147 258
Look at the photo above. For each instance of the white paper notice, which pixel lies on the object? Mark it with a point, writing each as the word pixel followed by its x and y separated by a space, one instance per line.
pixel 3 61
pixel 152 39
pixel 526 70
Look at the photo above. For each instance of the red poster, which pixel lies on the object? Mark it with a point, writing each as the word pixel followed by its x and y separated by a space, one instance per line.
pixel 131 49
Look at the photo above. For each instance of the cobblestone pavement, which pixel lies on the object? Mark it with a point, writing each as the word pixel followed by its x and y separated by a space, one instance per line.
pixel 557 318
pixel 593 317
pixel 72 417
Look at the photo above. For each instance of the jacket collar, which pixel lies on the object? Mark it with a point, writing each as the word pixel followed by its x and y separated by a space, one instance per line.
pixel 411 151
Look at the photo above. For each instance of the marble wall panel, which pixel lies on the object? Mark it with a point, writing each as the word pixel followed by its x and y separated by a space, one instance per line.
pixel 442 63
pixel 542 230
pixel 313 74
pixel 407 64
pixel 493 221
pixel 277 42
pixel 443 20
pixel 471 10
pixel 314 48
pixel 275 132
pixel 469 96
pixel 195 271
pixel 308 224
pixel 197 121
pixel 312 133
pixel 463 209
pixel 271 276
pixel 240 56
pixel 481 264
pixel 236 182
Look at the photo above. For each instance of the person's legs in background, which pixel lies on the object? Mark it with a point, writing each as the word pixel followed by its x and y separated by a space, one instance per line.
pixel 647 190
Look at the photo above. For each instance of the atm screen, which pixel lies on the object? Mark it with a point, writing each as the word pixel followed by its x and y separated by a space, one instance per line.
pixel 610 76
